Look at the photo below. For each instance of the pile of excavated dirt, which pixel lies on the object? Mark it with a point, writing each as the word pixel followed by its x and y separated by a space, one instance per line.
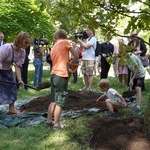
pixel 108 133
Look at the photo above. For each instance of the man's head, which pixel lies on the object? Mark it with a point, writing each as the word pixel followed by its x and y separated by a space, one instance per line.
pixel 108 37
pixel 74 43
pixel 89 32
pixel 1 36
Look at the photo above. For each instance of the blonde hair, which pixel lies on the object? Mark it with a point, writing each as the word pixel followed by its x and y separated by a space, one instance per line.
pixel 104 83
pixel 20 37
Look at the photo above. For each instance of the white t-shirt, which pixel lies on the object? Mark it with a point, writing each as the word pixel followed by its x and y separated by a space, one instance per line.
pixel 89 54
pixel 111 94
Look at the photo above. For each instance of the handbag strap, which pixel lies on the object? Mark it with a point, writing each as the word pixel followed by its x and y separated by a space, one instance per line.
pixel 12 53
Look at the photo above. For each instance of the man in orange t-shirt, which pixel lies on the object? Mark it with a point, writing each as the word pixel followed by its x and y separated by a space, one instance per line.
pixel 59 76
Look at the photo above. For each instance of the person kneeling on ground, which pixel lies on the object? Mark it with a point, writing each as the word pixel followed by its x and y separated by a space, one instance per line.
pixel 113 98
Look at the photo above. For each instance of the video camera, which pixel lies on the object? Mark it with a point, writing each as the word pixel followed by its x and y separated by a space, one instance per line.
pixel 81 35
pixel 40 41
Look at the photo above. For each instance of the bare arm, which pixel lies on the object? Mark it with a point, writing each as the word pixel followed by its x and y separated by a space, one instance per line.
pixel 101 98
pixel 85 45
pixel 135 74
pixel 18 73
pixel 75 55
pixel 122 99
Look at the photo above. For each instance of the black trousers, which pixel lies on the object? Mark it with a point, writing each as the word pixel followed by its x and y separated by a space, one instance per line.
pixel 24 74
pixel 105 66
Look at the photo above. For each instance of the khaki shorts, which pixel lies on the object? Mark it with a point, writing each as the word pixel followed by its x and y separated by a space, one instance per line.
pixel 59 86
pixel 87 67
pixel 117 103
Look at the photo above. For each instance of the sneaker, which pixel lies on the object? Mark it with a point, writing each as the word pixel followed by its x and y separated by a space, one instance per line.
pixel 111 114
pixel 88 89
pixel 83 89
pixel 74 82
pixel 91 90
pixel 136 111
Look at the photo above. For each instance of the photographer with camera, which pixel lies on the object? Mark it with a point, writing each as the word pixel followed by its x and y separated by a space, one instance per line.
pixel 88 44
pixel 38 48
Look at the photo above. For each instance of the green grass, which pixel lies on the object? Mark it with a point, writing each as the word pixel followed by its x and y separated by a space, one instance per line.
pixel 77 134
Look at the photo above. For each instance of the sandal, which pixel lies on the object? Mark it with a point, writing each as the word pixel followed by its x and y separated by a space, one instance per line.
pixel 49 124
pixel 59 126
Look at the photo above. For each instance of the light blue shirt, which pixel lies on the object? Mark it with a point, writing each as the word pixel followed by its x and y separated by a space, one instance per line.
pixel 89 53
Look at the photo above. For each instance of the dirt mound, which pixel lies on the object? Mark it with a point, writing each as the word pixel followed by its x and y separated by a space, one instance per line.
pixel 75 100
pixel 108 134
pixel 117 134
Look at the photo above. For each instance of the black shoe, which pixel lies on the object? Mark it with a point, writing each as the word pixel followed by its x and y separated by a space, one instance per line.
pixel 74 82
pixel 25 87
pixel 111 114
pixel 115 110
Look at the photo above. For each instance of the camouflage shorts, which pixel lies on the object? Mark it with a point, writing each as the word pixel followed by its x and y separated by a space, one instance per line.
pixel 59 86
pixel 87 67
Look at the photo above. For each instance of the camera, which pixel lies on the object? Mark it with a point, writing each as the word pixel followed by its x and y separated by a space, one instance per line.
pixel 81 35
pixel 40 41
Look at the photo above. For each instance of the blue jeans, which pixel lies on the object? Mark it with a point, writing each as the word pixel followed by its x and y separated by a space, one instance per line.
pixel 75 75
pixel 38 74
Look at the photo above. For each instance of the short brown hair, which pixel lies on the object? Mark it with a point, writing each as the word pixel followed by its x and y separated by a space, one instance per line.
pixel 20 37
pixel 60 34
pixel 104 83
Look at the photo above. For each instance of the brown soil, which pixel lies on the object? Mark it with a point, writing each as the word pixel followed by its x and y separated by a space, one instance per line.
pixel 108 133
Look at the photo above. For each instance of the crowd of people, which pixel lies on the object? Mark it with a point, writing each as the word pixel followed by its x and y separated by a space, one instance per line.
pixel 127 67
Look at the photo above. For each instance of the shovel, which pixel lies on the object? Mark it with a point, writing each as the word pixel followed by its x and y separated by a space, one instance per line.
pixel 41 86
pixel 8 82
pixel 129 93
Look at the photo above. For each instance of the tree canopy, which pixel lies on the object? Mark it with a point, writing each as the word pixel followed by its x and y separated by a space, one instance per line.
pixel 73 15
pixel 24 15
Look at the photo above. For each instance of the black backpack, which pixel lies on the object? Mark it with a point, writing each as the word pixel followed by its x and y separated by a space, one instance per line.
pixel 97 50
